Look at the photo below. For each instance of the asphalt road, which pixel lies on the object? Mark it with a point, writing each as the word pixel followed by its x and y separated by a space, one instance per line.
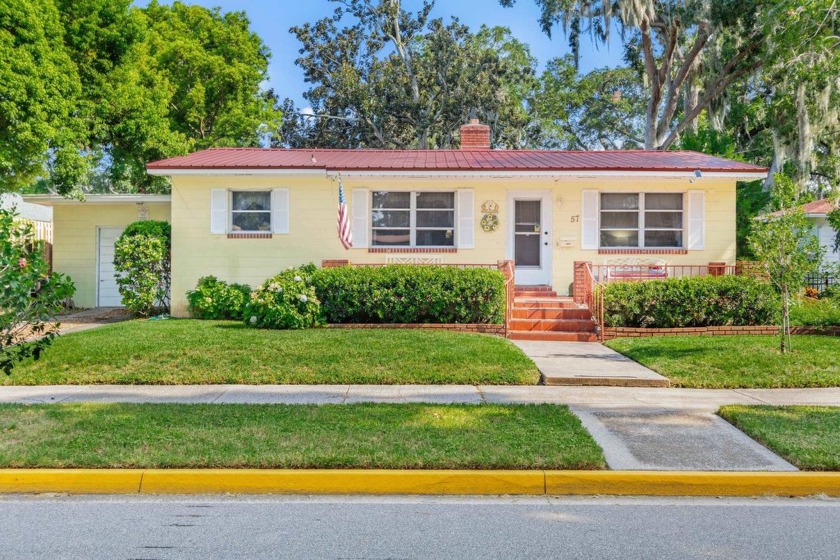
pixel 122 527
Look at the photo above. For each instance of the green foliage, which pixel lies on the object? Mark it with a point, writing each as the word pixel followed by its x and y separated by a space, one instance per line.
pixel 601 110
pixel 29 294
pixel 216 299
pixel 410 294
pixel 92 90
pixel 386 77
pixel 786 248
pixel 823 312
pixel 750 200
pixel 142 257
pixel 286 301
pixel 699 301
pixel 833 219
pixel 150 228
pixel 39 90
pixel 832 292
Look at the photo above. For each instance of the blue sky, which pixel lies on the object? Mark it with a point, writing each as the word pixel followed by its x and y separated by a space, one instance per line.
pixel 271 20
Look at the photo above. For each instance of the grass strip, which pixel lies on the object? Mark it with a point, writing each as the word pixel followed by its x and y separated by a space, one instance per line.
pixel 807 436
pixel 398 436
pixel 185 351
pixel 730 362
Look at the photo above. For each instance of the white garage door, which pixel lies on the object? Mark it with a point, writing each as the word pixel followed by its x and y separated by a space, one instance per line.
pixel 108 293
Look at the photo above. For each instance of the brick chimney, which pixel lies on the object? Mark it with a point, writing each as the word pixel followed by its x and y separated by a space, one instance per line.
pixel 475 136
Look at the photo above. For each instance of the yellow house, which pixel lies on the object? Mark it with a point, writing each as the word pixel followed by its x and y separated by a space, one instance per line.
pixel 243 214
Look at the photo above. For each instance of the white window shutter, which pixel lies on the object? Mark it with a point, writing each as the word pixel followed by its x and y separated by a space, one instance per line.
pixel 589 220
pixel 696 220
pixel 280 210
pixel 361 215
pixel 218 211
pixel 466 219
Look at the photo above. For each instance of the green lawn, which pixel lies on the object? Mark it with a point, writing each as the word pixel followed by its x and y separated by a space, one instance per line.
pixel 181 351
pixel 807 436
pixel 410 436
pixel 737 361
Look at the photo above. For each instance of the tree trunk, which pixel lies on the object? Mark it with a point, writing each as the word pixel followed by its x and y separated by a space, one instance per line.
pixel 785 321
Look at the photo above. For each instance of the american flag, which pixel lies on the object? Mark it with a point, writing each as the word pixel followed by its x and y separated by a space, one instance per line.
pixel 345 234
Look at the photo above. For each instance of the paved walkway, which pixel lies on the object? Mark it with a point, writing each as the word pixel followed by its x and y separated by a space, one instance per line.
pixel 582 398
pixel 638 428
pixel 587 363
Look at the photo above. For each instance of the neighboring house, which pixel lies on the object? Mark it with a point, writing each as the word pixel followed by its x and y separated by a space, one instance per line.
pixel 817 212
pixel 244 214
pixel 40 217
pixel 25 210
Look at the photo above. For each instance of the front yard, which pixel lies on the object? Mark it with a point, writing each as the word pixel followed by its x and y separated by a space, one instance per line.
pixel 399 436
pixel 184 351
pixel 807 436
pixel 718 362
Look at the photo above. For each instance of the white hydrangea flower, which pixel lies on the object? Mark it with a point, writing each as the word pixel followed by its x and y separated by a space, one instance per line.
pixel 298 279
pixel 253 319
pixel 303 298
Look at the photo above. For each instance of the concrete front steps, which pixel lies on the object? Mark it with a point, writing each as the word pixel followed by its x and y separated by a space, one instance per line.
pixel 539 314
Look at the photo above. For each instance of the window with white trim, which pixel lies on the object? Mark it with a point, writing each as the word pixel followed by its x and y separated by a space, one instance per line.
pixel 642 220
pixel 412 219
pixel 250 211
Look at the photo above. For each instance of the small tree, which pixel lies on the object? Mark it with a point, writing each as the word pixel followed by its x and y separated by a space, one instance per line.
pixel 29 294
pixel 786 247
pixel 142 261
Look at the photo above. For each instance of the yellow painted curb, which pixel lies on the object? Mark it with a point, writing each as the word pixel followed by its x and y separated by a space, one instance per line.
pixel 73 481
pixel 682 483
pixel 255 481
pixel 430 482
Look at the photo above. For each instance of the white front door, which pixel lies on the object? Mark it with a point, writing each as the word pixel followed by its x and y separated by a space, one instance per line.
pixel 107 293
pixel 529 236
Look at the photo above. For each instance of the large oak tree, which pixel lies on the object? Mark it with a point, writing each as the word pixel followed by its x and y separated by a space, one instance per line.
pixel 385 77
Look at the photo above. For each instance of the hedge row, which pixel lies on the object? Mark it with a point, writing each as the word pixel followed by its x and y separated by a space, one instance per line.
pixel 700 301
pixel 410 294
pixel 380 294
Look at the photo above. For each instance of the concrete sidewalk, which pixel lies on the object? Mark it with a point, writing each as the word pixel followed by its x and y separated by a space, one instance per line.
pixel 582 398
pixel 587 363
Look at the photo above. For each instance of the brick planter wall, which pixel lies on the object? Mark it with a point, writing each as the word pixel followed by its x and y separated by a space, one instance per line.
pixel 634 332
pixel 458 327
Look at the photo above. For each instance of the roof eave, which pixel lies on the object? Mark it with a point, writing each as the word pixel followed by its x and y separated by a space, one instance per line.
pixel 205 171
pixel 58 200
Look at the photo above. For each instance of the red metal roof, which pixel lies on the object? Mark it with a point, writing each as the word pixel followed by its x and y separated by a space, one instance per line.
pixel 453 160
pixel 817 207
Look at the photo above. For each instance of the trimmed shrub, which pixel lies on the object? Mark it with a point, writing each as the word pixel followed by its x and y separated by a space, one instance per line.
pixel 700 301
pixel 286 301
pixel 142 259
pixel 410 294
pixel 823 312
pixel 216 299
pixel 832 293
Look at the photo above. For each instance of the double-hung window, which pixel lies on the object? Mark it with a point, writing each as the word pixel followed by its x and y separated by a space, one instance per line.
pixel 642 220
pixel 412 219
pixel 250 211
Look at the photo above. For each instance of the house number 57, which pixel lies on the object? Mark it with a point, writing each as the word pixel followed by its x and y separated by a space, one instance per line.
pixel 575 219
